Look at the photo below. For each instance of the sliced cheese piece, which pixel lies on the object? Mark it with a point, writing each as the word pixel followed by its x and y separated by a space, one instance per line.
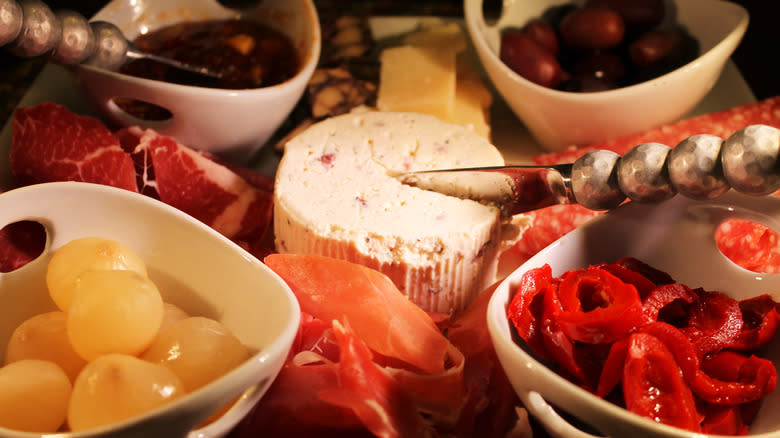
pixel 465 71
pixel 405 86
pixel 335 195
pixel 440 36
pixel 469 110
pixel 417 79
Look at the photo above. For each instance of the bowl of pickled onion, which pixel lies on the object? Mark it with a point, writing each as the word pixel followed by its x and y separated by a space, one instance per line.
pixel 675 354
pixel 590 92
pixel 133 318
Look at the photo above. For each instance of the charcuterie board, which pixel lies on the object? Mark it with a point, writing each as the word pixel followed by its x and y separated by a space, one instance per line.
pixel 54 84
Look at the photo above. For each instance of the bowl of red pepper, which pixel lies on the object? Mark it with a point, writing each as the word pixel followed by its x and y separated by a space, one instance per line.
pixel 644 321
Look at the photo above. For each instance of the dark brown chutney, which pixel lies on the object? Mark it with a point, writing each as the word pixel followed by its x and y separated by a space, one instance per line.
pixel 246 53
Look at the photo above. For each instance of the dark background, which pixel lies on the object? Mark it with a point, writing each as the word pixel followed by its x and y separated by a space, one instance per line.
pixel 756 57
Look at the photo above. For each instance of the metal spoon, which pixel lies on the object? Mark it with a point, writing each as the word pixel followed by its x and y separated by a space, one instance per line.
pixel 29 29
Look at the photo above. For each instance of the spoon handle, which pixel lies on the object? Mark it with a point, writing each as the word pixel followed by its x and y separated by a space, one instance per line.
pixel 29 28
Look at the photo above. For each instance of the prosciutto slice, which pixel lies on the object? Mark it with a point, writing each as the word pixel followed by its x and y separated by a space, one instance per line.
pixel 368 362
pixel 50 143
pixel 198 185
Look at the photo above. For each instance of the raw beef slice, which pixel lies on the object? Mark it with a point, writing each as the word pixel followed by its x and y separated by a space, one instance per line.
pixel 50 143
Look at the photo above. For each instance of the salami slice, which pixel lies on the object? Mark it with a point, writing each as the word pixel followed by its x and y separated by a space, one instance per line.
pixel 722 123
pixel 750 245
pixel 51 143
pixel 548 224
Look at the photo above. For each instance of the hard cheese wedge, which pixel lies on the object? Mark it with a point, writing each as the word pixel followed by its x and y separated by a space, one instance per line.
pixel 417 79
pixel 432 73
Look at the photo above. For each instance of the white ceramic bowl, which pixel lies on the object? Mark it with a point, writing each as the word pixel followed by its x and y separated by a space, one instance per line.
pixel 676 237
pixel 194 267
pixel 231 123
pixel 558 119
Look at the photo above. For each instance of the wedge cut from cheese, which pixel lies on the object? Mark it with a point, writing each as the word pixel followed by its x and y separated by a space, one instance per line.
pixel 417 79
pixel 440 36
pixel 335 195
pixel 433 73
pixel 472 106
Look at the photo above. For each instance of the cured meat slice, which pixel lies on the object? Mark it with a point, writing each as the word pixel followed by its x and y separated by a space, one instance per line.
pixel 51 143
pixel 548 224
pixel 332 289
pixel 721 123
pixel 750 245
pixel 20 243
pixel 194 183
pixel 348 375
pixel 376 398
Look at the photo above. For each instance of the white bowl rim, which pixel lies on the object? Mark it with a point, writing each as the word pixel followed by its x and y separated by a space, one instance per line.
pixel 472 10
pixel 535 401
pixel 308 62
pixel 278 348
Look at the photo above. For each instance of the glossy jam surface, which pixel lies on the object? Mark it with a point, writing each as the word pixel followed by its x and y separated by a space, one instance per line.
pixel 247 54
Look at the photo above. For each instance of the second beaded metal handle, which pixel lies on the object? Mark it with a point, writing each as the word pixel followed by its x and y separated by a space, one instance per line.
pixel 700 167
pixel 29 28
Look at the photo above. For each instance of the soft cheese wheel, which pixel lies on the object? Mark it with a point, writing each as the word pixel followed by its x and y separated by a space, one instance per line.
pixel 335 195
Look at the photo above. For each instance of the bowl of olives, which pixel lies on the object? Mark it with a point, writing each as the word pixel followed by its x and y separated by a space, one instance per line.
pixel 583 71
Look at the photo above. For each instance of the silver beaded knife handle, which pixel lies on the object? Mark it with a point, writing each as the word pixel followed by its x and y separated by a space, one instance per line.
pixel 29 28
pixel 700 167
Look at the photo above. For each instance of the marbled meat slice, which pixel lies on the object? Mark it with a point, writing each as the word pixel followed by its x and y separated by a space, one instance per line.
pixel 196 184
pixel 721 123
pixel 51 143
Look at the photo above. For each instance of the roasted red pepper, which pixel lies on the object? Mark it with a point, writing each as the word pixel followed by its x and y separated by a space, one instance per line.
pixel 671 348
pixel 560 346
pixel 597 306
pixel 612 373
pixel 653 385
pixel 729 378
pixel 657 276
pixel 723 420
pixel 664 295
pixel 760 323
pixel 679 345
pixel 642 284
pixel 525 309
pixel 714 321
